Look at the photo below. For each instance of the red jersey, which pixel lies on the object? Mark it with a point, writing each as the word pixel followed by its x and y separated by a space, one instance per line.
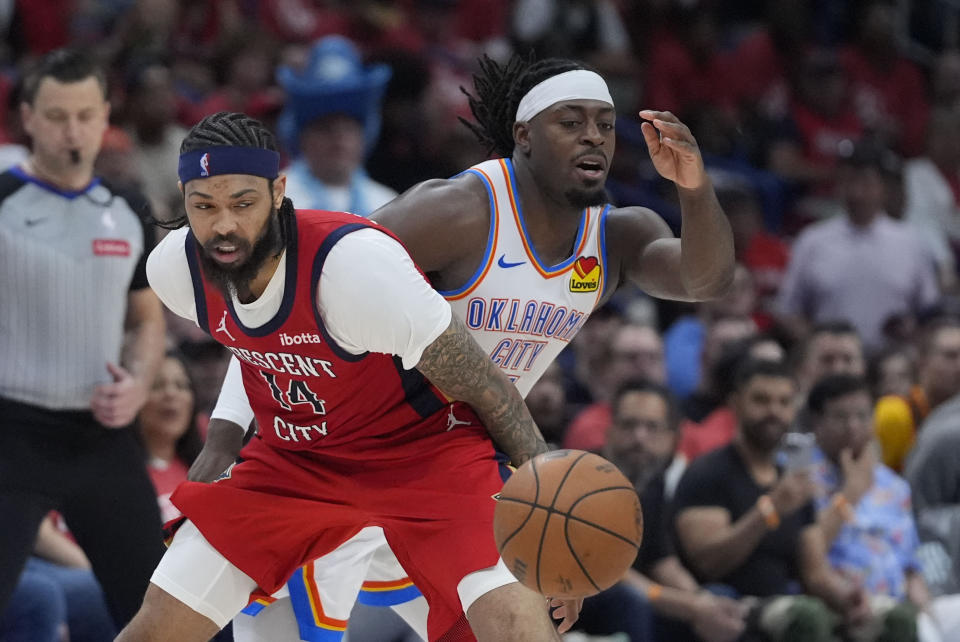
pixel 306 391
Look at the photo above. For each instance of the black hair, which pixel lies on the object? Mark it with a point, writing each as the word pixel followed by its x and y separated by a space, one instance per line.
pixel 723 374
pixel 66 66
pixel 231 129
pixel 499 90
pixel 645 385
pixel 832 387
pixel 751 368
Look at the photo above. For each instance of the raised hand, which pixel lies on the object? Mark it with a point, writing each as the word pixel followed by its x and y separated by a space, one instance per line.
pixel 673 149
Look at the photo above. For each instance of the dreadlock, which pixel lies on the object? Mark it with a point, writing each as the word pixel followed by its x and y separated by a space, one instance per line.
pixel 229 129
pixel 499 90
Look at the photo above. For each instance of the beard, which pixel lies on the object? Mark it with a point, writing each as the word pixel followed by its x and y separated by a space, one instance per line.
pixel 765 434
pixel 581 198
pixel 236 277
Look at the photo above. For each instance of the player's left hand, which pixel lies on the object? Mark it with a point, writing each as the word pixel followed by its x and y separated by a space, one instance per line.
pixel 566 610
pixel 673 149
pixel 116 404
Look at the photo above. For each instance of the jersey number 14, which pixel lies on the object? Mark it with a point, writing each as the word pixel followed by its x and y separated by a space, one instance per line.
pixel 297 392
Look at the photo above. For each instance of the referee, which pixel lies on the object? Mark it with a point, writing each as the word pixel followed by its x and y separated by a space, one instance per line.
pixel 81 337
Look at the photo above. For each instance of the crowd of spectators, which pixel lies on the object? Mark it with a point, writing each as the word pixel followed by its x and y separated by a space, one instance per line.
pixel 795 441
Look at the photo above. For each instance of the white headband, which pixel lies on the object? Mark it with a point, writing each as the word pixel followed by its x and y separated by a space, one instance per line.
pixel 578 84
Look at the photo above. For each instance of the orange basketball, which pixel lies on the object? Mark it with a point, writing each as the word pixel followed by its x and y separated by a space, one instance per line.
pixel 568 524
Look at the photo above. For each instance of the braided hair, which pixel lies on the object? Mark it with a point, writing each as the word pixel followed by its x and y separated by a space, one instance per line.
pixel 499 90
pixel 228 129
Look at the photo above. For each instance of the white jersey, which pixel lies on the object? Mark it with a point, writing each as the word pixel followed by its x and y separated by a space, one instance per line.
pixel 520 311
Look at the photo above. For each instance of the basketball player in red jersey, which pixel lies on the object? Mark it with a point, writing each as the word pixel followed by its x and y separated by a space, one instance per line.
pixel 518 228
pixel 329 317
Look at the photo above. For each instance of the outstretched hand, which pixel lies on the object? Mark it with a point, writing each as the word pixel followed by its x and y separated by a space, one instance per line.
pixel 566 610
pixel 673 149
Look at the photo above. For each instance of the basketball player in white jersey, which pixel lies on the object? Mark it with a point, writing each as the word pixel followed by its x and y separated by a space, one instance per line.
pixel 524 248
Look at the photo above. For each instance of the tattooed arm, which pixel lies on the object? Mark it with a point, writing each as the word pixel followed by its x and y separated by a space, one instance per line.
pixel 456 364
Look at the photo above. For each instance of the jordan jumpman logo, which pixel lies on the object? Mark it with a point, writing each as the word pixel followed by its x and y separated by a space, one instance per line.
pixel 223 326
pixel 452 421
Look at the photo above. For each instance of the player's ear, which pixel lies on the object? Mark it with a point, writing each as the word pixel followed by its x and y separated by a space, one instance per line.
pixel 521 137
pixel 279 190
pixel 180 187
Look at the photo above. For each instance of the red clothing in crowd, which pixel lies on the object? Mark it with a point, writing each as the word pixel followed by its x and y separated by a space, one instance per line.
pixel 889 95
pixel 166 476
pixel 716 430
pixel 588 430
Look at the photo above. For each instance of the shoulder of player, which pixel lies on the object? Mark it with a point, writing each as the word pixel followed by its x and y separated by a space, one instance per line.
pixel 443 201
pixel 628 229
pixel 168 273
pixel 635 220
pixel 439 219
pixel 169 252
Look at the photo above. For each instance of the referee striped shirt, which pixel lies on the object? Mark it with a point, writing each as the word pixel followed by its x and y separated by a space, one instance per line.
pixel 67 263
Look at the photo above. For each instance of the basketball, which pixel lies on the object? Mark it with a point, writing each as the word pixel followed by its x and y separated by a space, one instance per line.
pixel 568 524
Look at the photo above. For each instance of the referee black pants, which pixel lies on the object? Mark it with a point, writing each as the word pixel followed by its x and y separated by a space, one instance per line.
pixel 96 477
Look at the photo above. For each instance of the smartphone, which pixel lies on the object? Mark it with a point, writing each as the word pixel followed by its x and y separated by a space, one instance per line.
pixel 798 450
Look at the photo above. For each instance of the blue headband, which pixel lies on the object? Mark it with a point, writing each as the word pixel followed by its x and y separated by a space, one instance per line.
pixel 212 161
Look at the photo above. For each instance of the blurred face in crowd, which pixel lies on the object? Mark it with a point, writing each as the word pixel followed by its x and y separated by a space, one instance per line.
pixel 941 364
pixel 641 441
pixel 765 409
pixel 832 353
pixel 895 375
pixel 637 353
pixel 169 409
pixel 235 220
pixel 864 193
pixel 154 103
pixel 333 148
pixel 66 123
pixel 846 422
pixel 547 402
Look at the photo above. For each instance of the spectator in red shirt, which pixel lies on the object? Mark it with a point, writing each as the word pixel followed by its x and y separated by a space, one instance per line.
pixel 168 427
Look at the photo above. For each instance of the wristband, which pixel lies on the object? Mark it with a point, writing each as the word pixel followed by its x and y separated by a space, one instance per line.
pixel 843 506
pixel 654 591
pixel 769 512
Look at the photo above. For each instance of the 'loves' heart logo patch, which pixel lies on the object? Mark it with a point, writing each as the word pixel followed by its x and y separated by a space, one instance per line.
pixel 585 276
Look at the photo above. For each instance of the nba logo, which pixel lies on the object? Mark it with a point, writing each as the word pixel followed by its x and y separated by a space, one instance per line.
pixel 205 165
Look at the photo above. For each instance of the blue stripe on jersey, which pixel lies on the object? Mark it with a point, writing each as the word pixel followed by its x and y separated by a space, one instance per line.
pixel 388 598
pixel 318 262
pixel 300 601
pixel 490 238
pixel 602 231
pixel 289 287
pixel 253 609
pixel 523 226
pixel 200 298
pixel 70 194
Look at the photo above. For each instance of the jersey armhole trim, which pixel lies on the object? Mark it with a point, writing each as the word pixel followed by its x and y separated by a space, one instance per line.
pixel 491 249
pixel 315 273
pixel 199 296
pixel 602 238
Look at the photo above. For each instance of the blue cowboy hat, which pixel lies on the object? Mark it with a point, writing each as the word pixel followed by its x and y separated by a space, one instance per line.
pixel 334 81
